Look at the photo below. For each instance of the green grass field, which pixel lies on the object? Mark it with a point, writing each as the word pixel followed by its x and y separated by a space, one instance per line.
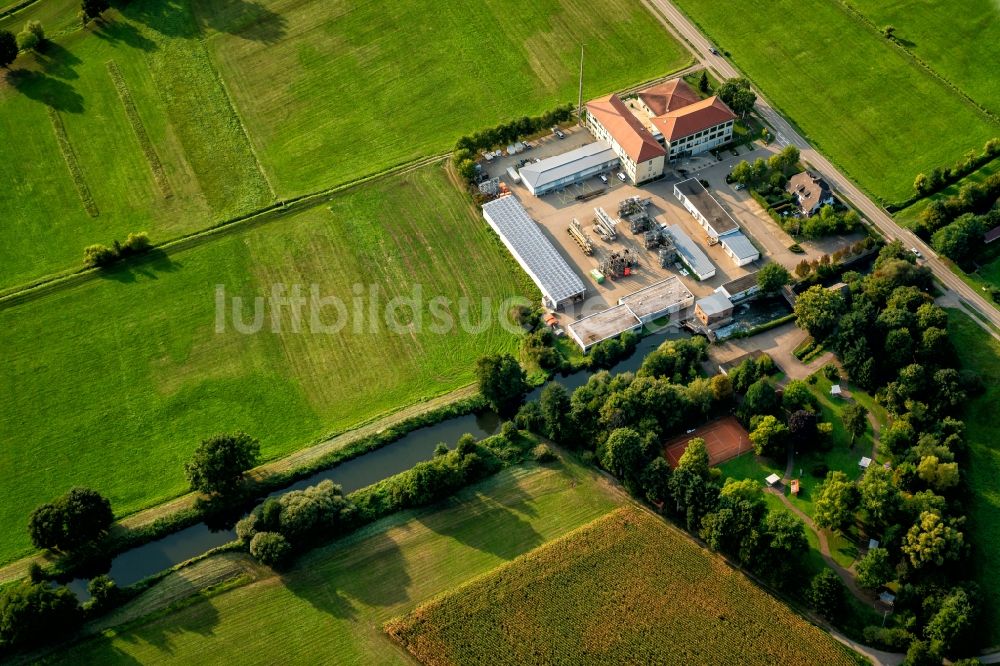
pixel 867 106
pixel 192 128
pixel 331 91
pixel 330 606
pixel 627 588
pixel 112 384
pixel 931 31
pixel 981 352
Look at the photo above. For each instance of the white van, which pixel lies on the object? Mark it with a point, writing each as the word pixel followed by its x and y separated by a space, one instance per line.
pixel 621 177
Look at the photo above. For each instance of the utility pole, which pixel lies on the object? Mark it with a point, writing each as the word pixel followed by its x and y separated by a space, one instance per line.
pixel 579 98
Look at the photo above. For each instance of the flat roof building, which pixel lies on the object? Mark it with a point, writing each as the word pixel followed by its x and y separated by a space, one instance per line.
pixel 691 254
pixel 640 307
pixel 739 248
pixel 741 288
pixel 713 310
pixel 704 207
pixel 560 171
pixel 558 282
pixel 602 326
pixel 658 299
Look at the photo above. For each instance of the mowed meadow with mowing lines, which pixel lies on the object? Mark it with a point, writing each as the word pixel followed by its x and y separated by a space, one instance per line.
pixel 327 93
pixel 168 104
pixel 330 606
pixel 627 588
pixel 865 104
pixel 933 30
pixel 112 384
pixel 334 90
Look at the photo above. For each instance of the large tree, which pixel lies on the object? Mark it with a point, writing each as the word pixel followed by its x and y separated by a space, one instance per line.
pixel 875 569
pixel 624 455
pixel 738 96
pixel 817 310
pixel 219 463
pixel 555 407
pixel 78 518
pixel 836 502
pixel 502 382
pixel 769 437
pixel 933 541
pixel 828 595
pixel 880 498
pixel 695 458
pixel 91 9
pixel 772 277
pixel 855 418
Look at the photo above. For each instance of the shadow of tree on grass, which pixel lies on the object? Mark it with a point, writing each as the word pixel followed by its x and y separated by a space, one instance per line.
pixel 48 90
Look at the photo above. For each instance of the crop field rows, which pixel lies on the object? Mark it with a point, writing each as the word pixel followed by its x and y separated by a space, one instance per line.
pixel 625 589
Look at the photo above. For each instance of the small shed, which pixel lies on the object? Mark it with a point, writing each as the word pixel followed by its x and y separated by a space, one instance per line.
pixel 872 543
pixel 887 598
pixel 795 486
pixel 836 390
pixel 865 462
pixel 773 480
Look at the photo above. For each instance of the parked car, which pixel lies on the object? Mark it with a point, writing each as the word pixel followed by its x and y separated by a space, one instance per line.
pixel 916 253
pixel 559 133
pixel 621 177
pixel 604 179
pixel 738 186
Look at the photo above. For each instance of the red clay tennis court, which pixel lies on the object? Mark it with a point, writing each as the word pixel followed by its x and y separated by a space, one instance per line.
pixel 724 438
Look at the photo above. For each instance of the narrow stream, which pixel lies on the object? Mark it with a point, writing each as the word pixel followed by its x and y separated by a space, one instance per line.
pixel 143 561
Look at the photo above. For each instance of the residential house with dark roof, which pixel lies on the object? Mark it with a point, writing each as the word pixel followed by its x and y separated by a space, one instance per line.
pixel 811 191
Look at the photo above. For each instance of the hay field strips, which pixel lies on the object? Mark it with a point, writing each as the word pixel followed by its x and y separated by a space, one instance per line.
pixel 322 93
pixel 861 100
pixel 332 603
pixel 627 588
pixel 113 383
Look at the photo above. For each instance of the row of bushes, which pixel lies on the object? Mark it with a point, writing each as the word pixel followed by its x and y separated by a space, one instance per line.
pixel 467 147
pixel 279 528
pixel 975 198
pixel 98 255
pixel 939 178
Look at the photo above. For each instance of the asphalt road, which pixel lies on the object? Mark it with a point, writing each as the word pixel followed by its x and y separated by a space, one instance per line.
pixel 786 134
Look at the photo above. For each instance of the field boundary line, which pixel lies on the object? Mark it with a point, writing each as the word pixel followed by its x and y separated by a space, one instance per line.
pixel 860 16
pixel 69 156
pixel 53 283
pixel 132 113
